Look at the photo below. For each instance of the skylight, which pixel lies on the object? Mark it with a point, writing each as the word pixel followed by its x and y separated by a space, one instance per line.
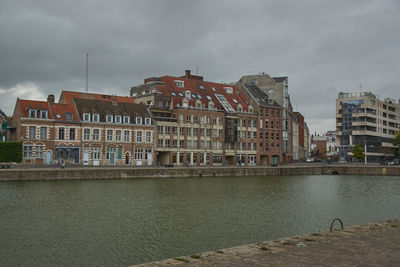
pixel 199 96
pixel 234 100
pixel 224 103
pixel 180 94
pixel 194 95
pixel 201 87
pixel 208 97
pixel 173 93
pixel 212 88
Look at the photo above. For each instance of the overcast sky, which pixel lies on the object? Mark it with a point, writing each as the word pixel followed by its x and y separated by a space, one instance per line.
pixel 324 47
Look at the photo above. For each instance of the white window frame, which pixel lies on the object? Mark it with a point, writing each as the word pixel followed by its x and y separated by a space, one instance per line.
pixel 127 119
pixel 43 112
pixel 147 121
pixel 139 136
pixel 138 120
pixel 96 117
pixel 109 118
pixel 86 117
pixel 229 90
pixel 179 83
pixel 118 119
pixel 32 113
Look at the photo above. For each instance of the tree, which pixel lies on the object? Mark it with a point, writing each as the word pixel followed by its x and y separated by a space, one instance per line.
pixel 358 152
pixel 396 141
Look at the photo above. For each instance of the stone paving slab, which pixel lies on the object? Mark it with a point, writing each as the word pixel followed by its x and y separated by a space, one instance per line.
pixel 374 244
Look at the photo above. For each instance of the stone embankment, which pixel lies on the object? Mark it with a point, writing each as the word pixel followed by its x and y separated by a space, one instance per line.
pixel 142 172
pixel 375 244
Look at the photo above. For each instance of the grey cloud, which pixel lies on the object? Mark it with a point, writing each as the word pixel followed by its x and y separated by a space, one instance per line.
pixel 323 46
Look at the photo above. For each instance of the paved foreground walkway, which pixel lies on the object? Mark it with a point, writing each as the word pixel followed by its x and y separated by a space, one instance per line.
pixel 376 244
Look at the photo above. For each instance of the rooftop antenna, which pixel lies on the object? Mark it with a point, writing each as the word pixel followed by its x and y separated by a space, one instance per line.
pixel 197 70
pixel 87 71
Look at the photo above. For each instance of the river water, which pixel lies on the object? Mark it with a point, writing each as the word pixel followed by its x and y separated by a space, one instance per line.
pixel 124 222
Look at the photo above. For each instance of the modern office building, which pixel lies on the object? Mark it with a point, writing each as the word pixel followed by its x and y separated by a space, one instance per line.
pixel 366 120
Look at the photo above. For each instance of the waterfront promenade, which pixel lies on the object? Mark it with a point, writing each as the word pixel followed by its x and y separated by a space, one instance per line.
pixel 151 172
pixel 375 244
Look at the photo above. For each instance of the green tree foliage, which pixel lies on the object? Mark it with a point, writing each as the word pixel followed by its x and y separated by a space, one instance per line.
pixel 10 151
pixel 396 140
pixel 358 152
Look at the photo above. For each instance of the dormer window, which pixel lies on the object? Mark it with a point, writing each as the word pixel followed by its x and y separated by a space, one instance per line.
pixel 86 116
pixel 96 117
pixel 127 119
pixel 69 116
pixel 118 119
pixel 109 118
pixel 43 114
pixel 58 116
pixel 32 113
pixel 179 84
pixel 187 94
pixel 138 120
pixel 229 90
pixel 147 121
pixel 239 108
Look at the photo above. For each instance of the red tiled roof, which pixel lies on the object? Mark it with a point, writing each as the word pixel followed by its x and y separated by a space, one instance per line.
pixel 66 97
pixel 52 110
pixel 193 85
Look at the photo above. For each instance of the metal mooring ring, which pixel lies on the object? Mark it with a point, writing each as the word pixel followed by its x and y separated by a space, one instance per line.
pixel 334 220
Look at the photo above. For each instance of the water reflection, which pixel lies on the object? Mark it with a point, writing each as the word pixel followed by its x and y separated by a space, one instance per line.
pixel 123 222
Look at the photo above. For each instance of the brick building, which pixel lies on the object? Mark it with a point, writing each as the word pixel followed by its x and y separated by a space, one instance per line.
pixel 85 129
pixel 200 122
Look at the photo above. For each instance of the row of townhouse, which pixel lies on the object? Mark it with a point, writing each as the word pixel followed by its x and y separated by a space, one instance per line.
pixel 206 123
pixel 85 129
pixel 167 121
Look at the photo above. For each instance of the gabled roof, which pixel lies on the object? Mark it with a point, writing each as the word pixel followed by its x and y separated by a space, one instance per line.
pixel 202 91
pixel 52 110
pixel 104 108
pixel 3 116
pixel 66 97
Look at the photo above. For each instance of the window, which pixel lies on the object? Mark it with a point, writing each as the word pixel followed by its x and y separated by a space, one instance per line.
pixel 32 132
pixel 86 134
pixel 28 151
pixel 189 131
pixel 43 133
pixel 127 119
pixel 109 118
pixel 32 113
pixel 212 88
pixel 118 135
pixel 61 134
pixel 167 131
pixel 109 135
pixel 86 117
pixel 138 153
pixel 187 94
pixel 96 117
pixel 148 137
pixel 175 143
pixel 181 130
pixel 220 133
pixel 39 151
pixel 195 144
pixel 139 136
pixel 180 94
pixel 148 121
pixel 72 134
pixel 173 93
pixel 69 116
pixel 234 100
pixel 179 84
pixel 166 142
pixel 201 131
pixel 43 114
pixel 188 144
pixel 201 87
pixel 96 153
pixel 181 143
pixel 160 142
pixel 138 120
pixel 96 134
pixel 118 119
pixel 228 90
pixel 195 131
pixel 174 130
pixel 208 132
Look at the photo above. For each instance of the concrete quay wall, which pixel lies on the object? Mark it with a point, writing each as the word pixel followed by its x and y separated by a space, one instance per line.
pixel 142 172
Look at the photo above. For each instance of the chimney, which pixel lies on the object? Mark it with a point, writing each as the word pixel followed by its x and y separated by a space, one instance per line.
pixel 50 99
pixel 114 101
pixel 187 74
